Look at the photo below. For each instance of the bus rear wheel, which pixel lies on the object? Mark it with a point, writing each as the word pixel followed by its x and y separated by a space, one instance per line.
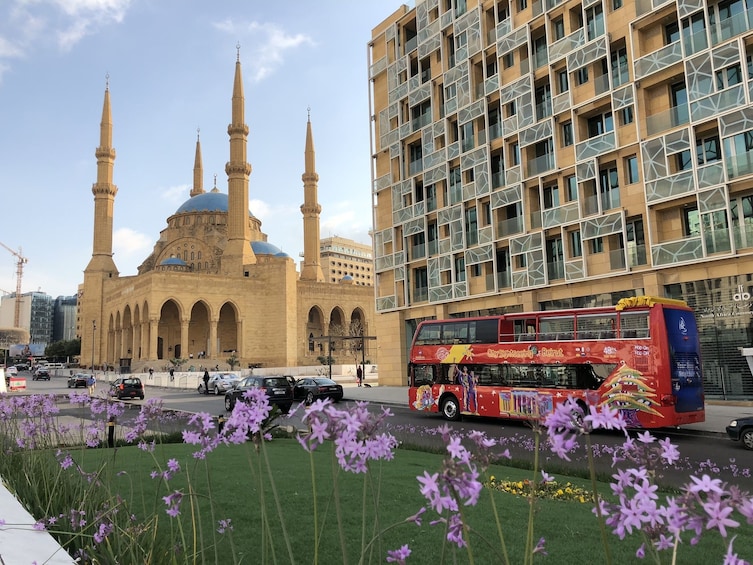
pixel 451 408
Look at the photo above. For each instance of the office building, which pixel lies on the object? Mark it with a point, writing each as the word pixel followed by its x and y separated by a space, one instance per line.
pixel 347 258
pixel 536 155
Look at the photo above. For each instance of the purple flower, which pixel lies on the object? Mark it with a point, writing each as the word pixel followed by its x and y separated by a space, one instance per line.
pixel 172 501
pixel 732 558
pixel 417 516
pixel 398 555
pixel 705 484
pixel 718 516
pixel 224 526
pixel 102 532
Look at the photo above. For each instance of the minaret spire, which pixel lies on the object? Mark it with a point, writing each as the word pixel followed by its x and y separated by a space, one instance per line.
pixel 311 209
pixel 104 194
pixel 238 252
pixel 198 170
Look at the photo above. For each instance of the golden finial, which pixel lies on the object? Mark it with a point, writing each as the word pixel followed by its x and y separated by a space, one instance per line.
pixel 107 81
pixel 198 131
pixel 238 49
pixel 308 110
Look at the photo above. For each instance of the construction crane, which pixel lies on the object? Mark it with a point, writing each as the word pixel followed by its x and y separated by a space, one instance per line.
pixel 19 277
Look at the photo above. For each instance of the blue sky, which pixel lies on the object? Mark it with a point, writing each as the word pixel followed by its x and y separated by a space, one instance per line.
pixel 170 65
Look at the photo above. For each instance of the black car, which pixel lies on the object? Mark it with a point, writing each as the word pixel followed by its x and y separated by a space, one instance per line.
pixel 78 380
pixel 127 387
pixel 309 389
pixel 278 389
pixel 741 429
pixel 41 374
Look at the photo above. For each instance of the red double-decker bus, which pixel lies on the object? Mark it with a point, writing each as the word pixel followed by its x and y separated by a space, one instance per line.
pixel 641 357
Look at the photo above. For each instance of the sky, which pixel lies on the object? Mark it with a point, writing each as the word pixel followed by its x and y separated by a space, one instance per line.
pixel 170 66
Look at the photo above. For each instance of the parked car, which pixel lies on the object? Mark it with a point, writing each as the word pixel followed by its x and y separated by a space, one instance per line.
pixel 220 383
pixel 41 374
pixel 127 387
pixel 277 387
pixel 310 389
pixel 11 371
pixel 78 380
pixel 741 429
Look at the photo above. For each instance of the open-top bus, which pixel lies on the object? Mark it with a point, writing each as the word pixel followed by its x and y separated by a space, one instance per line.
pixel 641 357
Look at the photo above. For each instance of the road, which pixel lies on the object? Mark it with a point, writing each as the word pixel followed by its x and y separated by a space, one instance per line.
pixel 701 453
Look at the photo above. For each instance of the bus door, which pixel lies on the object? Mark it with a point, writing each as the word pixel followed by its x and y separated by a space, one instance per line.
pixel 685 360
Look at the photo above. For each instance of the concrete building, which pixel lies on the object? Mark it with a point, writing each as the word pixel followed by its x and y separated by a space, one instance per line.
pixel 534 155
pixel 64 318
pixel 344 257
pixel 214 287
pixel 35 315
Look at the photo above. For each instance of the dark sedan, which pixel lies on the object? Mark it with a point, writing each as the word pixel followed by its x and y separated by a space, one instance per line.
pixel 741 429
pixel 78 380
pixel 278 390
pixel 309 389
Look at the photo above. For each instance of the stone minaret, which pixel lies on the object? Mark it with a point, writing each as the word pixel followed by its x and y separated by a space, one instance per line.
pixel 198 171
pixel 312 264
pixel 101 267
pixel 238 252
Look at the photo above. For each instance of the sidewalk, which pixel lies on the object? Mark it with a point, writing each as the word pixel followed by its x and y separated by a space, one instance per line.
pixel 718 412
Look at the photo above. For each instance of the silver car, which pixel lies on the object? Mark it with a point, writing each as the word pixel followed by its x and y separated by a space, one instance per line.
pixel 220 383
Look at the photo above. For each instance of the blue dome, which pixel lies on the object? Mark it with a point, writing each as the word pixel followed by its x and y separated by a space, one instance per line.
pixel 266 248
pixel 173 261
pixel 347 278
pixel 207 202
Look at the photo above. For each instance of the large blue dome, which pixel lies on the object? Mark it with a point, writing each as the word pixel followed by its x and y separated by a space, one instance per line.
pixel 207 202
pixel 173 261
pixel 266 248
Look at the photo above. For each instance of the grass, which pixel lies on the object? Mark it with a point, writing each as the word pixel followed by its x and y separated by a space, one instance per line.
pixel 233 483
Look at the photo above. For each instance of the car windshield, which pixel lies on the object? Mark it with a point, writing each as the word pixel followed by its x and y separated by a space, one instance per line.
pixel 323 381
pixel 276 381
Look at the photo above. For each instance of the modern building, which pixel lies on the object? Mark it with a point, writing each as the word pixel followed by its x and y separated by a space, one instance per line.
pixel 344 257
pixel 64 318
pixel 35 316
pixel 213 288
pixel 535 155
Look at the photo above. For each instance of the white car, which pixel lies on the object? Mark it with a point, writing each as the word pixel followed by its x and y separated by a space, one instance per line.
pixel 11 371
pixel 222 382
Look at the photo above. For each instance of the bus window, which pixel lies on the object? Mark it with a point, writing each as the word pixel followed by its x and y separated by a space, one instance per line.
pixel 634 324
pixel 423 375
pixel 485 331
pixel 429 334
pixel 599 326
pixel 455 332
pixel 556 328
pixel 525 330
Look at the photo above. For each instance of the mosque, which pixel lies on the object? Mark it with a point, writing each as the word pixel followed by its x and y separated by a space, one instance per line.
pixel 213 287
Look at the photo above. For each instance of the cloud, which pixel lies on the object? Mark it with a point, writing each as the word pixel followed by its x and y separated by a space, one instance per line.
pixel 128 243
pixel 176 194
pixel 269 44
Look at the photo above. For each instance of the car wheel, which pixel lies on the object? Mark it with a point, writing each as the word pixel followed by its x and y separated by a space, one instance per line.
pixel 451 408
pixel 309 398
pixel 141 397
pixel 216 390
pixel 747 438
pixel 69 385
pixel 229 403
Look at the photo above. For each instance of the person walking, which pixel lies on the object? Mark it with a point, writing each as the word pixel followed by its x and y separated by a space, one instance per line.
pixel 359 375
pixel 91 384
pixel 206 381
pixel 172 374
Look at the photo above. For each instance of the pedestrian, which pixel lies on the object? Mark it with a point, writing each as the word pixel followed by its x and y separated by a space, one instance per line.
pixel 151 372
pixel 91 383
pixel 359 375
pixel 172 374
pixel 206 381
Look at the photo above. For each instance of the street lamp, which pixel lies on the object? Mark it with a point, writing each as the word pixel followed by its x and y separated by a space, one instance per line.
pixel 94 329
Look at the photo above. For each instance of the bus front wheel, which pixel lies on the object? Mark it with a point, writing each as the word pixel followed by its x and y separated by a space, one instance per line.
pixel 451 408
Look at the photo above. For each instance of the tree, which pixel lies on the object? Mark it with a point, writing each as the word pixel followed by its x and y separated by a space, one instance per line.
pixel 232 361
pixel 177 362
pixel 351 347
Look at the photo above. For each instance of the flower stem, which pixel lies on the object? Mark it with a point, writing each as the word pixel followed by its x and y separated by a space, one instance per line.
pixel 597 502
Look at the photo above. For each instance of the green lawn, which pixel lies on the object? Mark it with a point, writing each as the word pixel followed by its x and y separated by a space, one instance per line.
pixel 235 482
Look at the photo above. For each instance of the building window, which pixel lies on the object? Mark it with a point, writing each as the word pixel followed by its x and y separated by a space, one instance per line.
pixel 563 82
pixel 508 60
pixel 551 196
pixel 420 284
pixel 459 269
pixel 456 189
pixel 511 109
pixel 626 115
pixel 683 160
pixel 631 167
pixel 728 77
pixel 620 72
pixel 597 245
pixel 576 247
pixel 558 26
pixel 616 4
pixel 582 75
pixel 471 226
pixel 522 5
pixel 671 33
pixel 468 139
pixel 514 154
pixel 609 187
pixel 599 125
pixel 595 21
pixel 708 150
pixel 571 188
pixel 691 221
pixel 567 134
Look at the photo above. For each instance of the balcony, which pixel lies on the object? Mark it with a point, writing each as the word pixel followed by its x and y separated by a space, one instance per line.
pixel 636 255
pixel 503 279
pixel 411 44
pixel 420 294
pixel 717 241
pixel 730 27
pixel 543 110
pixel 417 252
pixel 695 42
pixel 743 235
pixel 594 146
pixel 541 164
pixel 617 260
pixel 663 121
pixel 658 60
pixel 678 251
pixel 510 227
pixel 555 270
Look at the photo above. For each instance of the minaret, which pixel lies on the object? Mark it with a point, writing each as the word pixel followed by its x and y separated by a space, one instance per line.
pixel 312 264
pixel 101 267
pixel 104 195
pixel 238 252
pixel 198 170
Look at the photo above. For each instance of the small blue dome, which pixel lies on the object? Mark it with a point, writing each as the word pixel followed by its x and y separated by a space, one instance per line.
pixel 207 202
pixel 173 261
pixel 266 248
pixel 347 278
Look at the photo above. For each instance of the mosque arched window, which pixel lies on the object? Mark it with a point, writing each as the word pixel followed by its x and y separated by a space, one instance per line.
pixel 198 256
pixel 185 255
pixel 192 256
